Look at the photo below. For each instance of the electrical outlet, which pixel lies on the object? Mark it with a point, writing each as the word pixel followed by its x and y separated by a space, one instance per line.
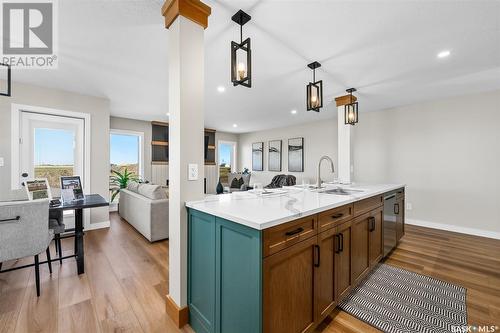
pixel 1 162
pixel 192 171
pixel 409 206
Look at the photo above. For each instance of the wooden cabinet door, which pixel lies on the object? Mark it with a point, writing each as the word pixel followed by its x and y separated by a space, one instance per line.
pixel 326 294
pixel 360 262
pixel 288 289
pixel 343 260
pixel 400 218
pixel 376 242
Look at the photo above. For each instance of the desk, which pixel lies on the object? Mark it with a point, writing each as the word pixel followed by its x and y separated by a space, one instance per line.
pixel 89 201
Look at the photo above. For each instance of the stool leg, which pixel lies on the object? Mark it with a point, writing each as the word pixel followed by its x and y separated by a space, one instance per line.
pixel 56 236
pixel 60 248
pixel 47 252
pixel 37 276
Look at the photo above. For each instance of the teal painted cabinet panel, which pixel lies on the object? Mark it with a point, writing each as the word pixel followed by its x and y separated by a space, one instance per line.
pixel 224 275
pixel 201 271
pixel 238 276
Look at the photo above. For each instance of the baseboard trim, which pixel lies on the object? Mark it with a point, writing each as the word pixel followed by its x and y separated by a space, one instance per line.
pixel 99 225
pixel 180 316
pixel 454 228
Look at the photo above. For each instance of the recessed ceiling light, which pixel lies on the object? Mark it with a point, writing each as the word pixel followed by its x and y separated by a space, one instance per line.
pixel 221 89
pixel 293 111
pixel 235 125
pixel 443 54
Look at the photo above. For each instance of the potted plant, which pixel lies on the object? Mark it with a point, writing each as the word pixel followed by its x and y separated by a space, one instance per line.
pixel 120 180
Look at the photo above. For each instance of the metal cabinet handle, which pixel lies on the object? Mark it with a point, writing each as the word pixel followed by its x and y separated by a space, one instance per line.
pixel 337 243
pixel 372 224
pixel 11 219
pixel 337 216
pixel 341 242
pixel 294 232
pixel 317 256
pixel 396 211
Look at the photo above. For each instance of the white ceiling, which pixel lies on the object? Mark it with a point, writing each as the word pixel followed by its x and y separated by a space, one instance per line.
pixel 386 49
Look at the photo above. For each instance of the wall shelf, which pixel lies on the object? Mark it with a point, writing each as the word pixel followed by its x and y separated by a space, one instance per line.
pixel 159 143
pixel 160 149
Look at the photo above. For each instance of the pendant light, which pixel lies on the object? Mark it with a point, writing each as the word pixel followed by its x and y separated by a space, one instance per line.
pixel 6 75
pixel 351 109
pixel 241 54
pixel 314 90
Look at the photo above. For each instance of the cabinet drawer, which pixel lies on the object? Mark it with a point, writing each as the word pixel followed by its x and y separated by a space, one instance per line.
pixel 334 217
pixel 282 236
pixel 367 205
pixel 400 194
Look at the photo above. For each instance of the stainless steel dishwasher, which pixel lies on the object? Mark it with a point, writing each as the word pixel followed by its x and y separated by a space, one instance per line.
pixel 390 219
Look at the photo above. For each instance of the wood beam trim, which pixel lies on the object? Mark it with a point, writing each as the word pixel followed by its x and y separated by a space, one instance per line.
pixel 180 316
pixel 346 99
pixel 195 10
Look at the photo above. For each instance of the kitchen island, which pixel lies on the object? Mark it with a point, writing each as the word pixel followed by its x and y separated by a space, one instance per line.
pixel 281 261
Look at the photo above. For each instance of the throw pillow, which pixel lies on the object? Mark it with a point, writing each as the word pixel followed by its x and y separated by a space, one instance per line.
pixel 133 186
pixel 153 192
pixel 235 183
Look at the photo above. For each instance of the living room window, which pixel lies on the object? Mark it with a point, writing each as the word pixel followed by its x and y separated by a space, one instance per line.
pixel 126 153
pixel 227 159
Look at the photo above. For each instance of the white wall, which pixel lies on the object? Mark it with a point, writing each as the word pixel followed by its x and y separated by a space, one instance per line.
pixel 320 138
pixel 98 108
pixel 448 154
pixel 137 126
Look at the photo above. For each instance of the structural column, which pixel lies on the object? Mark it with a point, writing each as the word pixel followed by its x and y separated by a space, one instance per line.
pixel 344 140
pixel 186 21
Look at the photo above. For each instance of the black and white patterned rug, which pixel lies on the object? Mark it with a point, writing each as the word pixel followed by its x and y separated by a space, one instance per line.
pixel 395 300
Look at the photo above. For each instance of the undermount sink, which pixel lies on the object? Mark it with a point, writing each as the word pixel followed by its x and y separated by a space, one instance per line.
pixel 341 191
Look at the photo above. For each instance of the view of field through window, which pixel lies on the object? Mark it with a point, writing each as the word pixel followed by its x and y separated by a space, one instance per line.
pixel 52 162
pixel 124 155
pixel 225 152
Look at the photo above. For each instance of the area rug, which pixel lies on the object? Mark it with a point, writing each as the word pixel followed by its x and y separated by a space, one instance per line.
pixel 396 300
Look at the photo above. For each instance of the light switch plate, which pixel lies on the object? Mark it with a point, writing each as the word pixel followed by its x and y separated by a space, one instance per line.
pixel 1 162
pixel 192 171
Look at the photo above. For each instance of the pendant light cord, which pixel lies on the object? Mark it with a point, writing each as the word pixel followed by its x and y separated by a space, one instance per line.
pixel 241 34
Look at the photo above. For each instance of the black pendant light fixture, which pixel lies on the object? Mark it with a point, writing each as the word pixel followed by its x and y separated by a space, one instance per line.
pixel 241 54
pixel 351 109
pixel 6 75
pixel 314 90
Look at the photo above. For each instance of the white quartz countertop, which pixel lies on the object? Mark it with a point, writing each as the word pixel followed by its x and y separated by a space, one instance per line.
pixel 261 211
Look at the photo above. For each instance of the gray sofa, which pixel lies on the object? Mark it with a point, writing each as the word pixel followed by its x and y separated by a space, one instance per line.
pixel 145 207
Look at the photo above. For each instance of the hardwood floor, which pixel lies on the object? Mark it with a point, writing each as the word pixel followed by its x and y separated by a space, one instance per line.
pixel 126 280
pixel 470 261
pixel 123 288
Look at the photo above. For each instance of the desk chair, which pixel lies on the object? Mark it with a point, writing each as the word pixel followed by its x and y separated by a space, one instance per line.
pixel 24 232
